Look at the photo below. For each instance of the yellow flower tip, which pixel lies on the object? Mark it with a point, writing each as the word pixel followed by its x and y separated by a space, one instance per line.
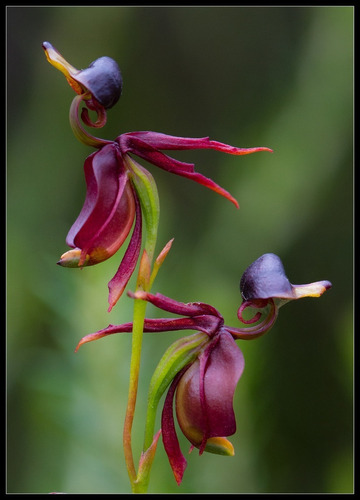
pixel 72 258
pixel 56 59
pixel 220 446
pixel 315 289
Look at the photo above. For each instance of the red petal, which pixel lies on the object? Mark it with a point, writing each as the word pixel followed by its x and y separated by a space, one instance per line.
pixel 171 443
pixel 108 211
pixel 204 398
pixel 118 283
pixel 163 141
pixel 175 307
pixel 224 368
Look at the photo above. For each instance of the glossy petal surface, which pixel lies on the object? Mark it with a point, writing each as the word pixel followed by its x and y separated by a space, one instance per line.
pixel 109 208
pixel 204 397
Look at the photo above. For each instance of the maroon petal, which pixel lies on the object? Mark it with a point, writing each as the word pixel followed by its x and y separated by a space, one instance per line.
pixel 171 443
pixel 175 307
pixel 177 167
pixel 146 144
pixel 224 368
pixel 118 283
pixel 150 326
pixel 204 398
pixel 109 208
pixel 163 141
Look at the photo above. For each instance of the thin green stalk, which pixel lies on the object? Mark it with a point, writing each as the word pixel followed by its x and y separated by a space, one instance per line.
pixel 146 190
pixel 137 334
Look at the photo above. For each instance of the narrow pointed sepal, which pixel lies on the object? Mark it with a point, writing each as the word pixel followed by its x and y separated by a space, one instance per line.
pixel 145 462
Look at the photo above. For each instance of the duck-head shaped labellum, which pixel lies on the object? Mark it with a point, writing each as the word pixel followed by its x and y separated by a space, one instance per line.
pixel 102 79
pixel 265 278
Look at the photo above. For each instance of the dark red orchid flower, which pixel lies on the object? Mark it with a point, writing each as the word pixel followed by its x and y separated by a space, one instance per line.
pixel 112 200
pixel 204 388
pixel 115 196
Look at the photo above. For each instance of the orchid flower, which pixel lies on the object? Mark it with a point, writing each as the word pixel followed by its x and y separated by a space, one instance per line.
pixel 201 371
pixel 120 192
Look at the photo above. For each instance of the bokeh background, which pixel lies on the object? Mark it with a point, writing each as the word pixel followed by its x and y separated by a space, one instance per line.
pixel 280 77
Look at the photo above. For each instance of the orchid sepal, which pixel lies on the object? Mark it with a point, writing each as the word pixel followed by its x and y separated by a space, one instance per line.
pixel 146 190
pixel 146 144
pixel 176 357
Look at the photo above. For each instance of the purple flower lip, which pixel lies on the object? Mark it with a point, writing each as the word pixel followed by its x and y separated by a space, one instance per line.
pixel 102 79
pixel 265 278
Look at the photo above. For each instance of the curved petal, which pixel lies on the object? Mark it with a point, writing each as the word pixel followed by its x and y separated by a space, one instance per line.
pixel 175 307
pixel 163 141
pixel 171 443
pixel 204 398
pixel 150 326
pixel 131 144
pixel 118 283
pixel 253 332
pixel 109 208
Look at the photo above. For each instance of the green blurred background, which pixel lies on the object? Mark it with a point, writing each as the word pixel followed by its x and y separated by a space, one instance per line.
pixel 280 77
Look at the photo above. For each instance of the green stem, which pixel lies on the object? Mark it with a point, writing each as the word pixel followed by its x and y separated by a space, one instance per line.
pixel 147 192
pixel 137 334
